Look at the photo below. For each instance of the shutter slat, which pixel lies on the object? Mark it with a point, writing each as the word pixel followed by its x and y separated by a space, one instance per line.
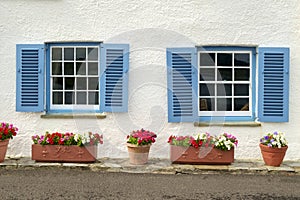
pixel 273 84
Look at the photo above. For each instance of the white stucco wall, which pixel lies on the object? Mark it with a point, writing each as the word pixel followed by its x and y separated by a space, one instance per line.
pixel 149 27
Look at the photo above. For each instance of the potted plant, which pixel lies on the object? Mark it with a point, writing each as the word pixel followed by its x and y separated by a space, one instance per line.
pixel 202 149
pixel 138 145
pixel 66 147
pixel 273 147
pixel 7 132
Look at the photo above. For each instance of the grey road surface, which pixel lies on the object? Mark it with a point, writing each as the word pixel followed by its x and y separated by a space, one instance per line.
pixel 44 183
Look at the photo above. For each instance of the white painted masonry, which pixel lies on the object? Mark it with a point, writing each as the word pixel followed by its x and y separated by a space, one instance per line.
pixel 149 27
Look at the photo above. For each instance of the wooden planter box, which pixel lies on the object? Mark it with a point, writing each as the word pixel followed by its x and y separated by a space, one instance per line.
pixel 61 153
pixel 203 155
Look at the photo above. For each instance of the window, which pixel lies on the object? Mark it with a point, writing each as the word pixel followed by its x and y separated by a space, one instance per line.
pixel 77 77
pixel 225 87
pixel 219 83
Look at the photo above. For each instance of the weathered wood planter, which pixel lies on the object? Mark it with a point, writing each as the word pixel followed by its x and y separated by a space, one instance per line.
pixel 203 155
pixel 61 153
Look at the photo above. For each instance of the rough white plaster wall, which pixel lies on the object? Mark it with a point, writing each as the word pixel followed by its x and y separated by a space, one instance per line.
pixel 149 27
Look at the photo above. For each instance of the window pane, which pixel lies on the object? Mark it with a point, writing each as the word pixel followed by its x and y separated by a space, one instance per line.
pixel 93 98
pixel 56 68
pixel 57 83
pixel 207 74
pixel 93 68
pixel 93 84
pixel 224 89
pixel 241 90
pixel 224 75
pixel 207 59
pixel 242 74
pixel 224 104
pixel 93 54
pixel 80 68
pixel 207 89
pixel 57 97
pixel 69 54
pixel 241 104
pixel 69 83
pixel 224 59
pixel 81 98
pixel 69 68
pixel 241 59
pixel 81 83
pixel 80 54
pixel 207 104
pixel 69 98
pixel 56 54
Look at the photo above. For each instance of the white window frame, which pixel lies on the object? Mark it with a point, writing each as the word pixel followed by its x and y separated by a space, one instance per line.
pixel 74 106
pixel 226 113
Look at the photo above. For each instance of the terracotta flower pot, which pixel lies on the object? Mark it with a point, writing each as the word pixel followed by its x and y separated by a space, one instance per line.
pixel 272 156
pixel 202 155
pixel 3 149
pixel 61 153
pixel 138 155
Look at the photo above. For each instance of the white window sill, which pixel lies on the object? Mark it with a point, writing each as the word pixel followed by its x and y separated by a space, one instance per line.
pixel 246 123
pixel 74 115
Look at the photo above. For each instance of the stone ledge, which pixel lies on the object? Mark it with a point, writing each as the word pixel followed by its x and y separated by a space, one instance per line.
pixel 74 116
pixel 248 124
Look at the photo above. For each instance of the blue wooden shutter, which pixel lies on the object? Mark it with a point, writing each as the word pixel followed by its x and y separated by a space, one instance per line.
pixel 182 84
pixel 30 78
pixel 114 77
pixel 273 88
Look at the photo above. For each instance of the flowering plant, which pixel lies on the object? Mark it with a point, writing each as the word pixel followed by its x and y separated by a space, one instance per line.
pixel 68 139
pixel 7 131
pixel 224 141
pixel 141 137
pixel 276 139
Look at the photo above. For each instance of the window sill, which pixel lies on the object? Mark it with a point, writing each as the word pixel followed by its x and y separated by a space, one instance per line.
pixel 74 116
pixel 249 124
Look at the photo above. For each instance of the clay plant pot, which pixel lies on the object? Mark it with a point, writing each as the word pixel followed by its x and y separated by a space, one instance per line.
pixel 138 155
pixel 273 156
pixel 3 149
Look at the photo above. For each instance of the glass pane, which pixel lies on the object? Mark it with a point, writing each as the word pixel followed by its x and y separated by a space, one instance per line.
pixel 207 74
pixel 241 104
pixel 93 98
pixel 93 54
pixel 224 59
pixel 93 84
pixel 69 83
pixel 69 98
pixel 81 83
pixel 69 68
pixel 56 54
pixel 57 83
pixel 207 89
pixel 241 59
pixel 207 59
pixel 224 104
pixel 241 90
pixel 224 75
pixel 56 68
pixel 69 54
pixel 207 104
pixel 93 68
pixel 80 54
pixel 57 97
pixel 81 98
pixel 80 68
pixel 224 89
pixel 242 74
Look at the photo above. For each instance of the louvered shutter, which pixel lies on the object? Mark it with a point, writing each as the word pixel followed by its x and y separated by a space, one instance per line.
pixel 182 84
pixel 273 93
pixel 114 77
pixel 30 78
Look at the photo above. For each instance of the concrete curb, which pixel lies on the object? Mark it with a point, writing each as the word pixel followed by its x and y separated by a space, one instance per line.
pixel 160 166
